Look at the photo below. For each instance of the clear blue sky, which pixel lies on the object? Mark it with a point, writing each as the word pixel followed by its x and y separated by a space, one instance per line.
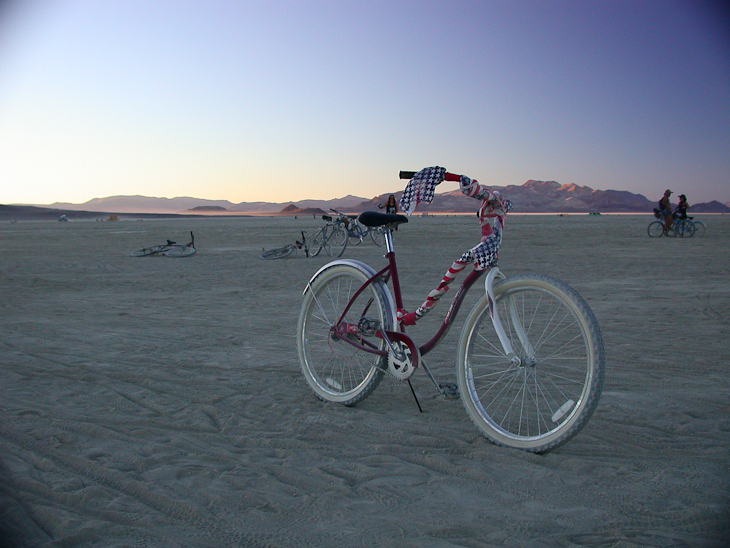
pixel 281 100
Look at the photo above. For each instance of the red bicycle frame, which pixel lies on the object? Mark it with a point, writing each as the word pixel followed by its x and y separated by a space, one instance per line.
pixel 390 273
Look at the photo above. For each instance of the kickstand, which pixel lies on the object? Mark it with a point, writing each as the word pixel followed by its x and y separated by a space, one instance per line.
pixel 447 389
pixel 415 397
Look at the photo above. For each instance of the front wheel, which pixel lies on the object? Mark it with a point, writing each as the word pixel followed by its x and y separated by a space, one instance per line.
pixel 278 253
pixel 541 396
pixel 334 360
pixel 700 228
pixel 337 242
pixel 685 229
pixel 318 241
pixel 655 229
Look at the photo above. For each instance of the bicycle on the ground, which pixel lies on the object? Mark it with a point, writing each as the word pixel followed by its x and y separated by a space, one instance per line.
pixel 530 358
pixel 332 237
pixel 169 249
pixel 286 250
pixel 684 228
pixel 357 232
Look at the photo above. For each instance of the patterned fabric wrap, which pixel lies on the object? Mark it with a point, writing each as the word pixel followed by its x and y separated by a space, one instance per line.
pixel 435 295
pixel 421 188
pixel 484 255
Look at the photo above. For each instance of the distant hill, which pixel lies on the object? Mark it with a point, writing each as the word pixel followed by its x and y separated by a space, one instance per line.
pixel 547 197
pixel 146 204
pixel 710 207
pixel 293 210
pixel 530 197
pixel 35 213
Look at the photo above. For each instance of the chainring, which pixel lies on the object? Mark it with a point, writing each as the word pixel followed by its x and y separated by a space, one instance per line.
pixel 401 369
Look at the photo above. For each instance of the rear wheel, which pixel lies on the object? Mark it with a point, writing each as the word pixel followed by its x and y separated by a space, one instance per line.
pixel 147 251
pixel 655 229
pixel 333 360
pixel 180 251
pixel 377 235
pixel 541 396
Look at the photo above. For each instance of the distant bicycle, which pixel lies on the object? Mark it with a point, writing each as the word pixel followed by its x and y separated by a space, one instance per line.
pixel 332 237
pixel 286 250
pixel 170 249
pixel 684 228
pixel 357 233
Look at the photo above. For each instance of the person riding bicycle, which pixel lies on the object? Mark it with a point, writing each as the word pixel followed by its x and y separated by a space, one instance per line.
pixel 391 206
pixel 680 212
pixel 491 214
pixel 665 210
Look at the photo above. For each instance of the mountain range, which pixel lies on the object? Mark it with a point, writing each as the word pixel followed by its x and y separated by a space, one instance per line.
pixel 530 197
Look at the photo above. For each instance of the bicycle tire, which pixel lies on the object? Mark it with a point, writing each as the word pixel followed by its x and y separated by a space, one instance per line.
pixel 685 229
pixel 318 241
pixel 700 228
pixel 336 243
pixel 548 398
pixel 277 253
pixel 353 238
pixel 377 236
pixel 655 229
pixel 335 370
pixel 147 251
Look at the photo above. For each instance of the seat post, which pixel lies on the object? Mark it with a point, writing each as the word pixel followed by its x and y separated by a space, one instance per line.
pixel 388 233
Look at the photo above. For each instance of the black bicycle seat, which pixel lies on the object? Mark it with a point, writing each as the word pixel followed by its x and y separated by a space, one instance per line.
pixel 326 218
pixel 375 218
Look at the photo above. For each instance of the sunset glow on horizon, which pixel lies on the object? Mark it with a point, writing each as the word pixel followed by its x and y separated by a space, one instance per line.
pixel 284 101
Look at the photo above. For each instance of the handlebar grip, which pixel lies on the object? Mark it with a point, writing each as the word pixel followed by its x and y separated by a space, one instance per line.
pixel 447 177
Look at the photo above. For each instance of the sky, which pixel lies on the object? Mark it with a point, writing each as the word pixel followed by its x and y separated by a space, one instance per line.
pixel 279 100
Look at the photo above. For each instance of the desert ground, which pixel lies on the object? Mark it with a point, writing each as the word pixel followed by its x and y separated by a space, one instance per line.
pixel 159 402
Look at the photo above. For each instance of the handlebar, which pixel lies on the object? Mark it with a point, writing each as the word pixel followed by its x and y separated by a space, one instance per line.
pixel 447 177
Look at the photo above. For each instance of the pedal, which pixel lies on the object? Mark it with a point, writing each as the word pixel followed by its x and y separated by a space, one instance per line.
pixel 449 390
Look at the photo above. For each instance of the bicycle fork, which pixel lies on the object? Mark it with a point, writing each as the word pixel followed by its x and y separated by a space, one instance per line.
pixel 514 317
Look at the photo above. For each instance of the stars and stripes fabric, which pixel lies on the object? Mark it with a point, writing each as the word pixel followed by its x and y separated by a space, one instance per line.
pixel 434 296
pixel 421 188
pixel 484 255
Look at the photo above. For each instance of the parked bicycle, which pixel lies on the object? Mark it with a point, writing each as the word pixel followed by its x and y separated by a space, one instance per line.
pixel 357 233
pixel 684 228
pixel 332 237
pixel 169 249
pixel 286 250
pixel 530 358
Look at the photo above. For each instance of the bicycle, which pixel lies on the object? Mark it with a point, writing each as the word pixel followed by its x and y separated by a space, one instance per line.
pixel 700 227
pixel 332 237
pixel 530 357
pixel 286 250
pixel 357 233
pixel 680 227
pixel 169 249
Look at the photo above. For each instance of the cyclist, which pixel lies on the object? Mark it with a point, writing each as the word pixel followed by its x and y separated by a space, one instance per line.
pixel 491 214
pixel 391 206
pixel 680 212
pixel 665 209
